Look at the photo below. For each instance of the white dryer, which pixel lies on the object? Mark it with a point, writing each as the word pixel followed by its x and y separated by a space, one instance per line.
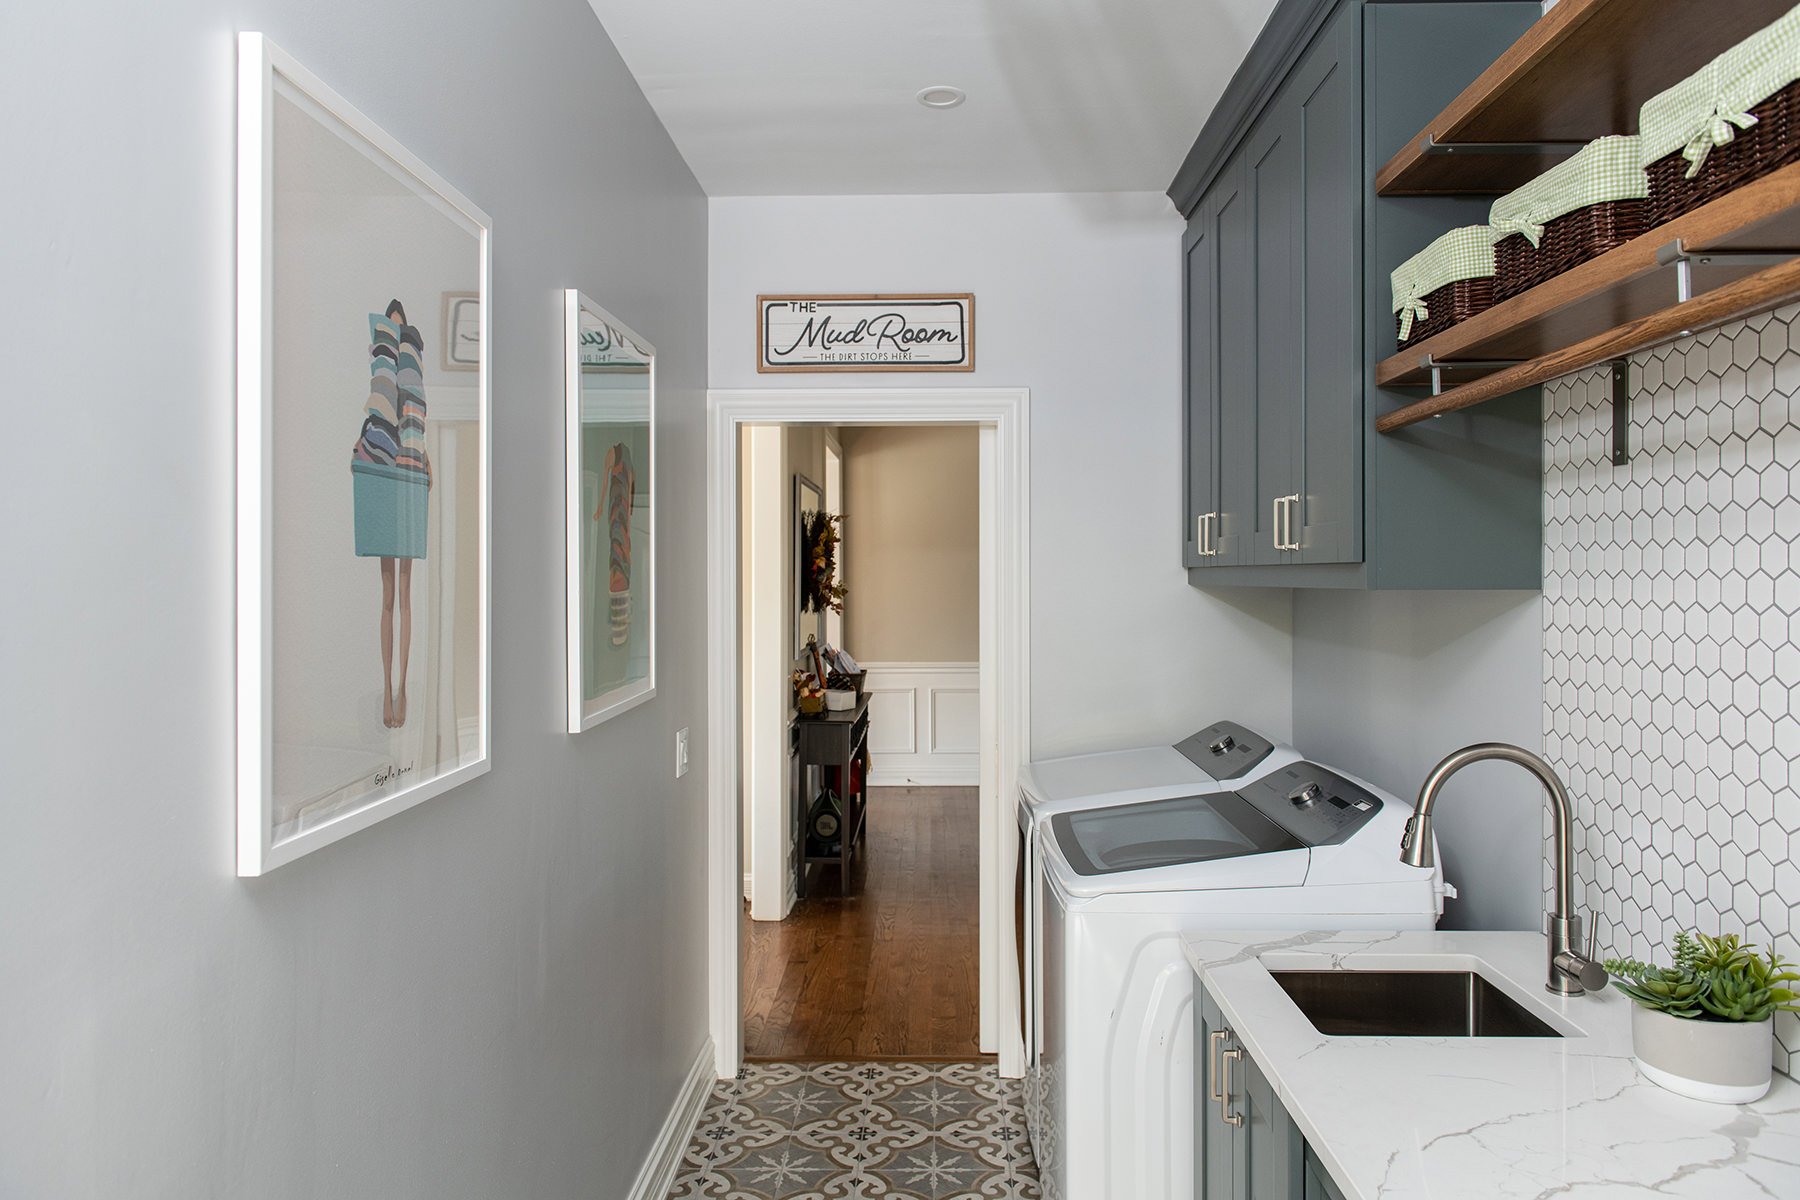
pixel 1220 757
pixel 1301 848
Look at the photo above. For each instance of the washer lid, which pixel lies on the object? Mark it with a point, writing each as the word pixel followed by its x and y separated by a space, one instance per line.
pixel 1166 833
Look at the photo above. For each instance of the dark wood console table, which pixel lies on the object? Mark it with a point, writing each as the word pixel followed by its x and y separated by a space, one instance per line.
pixel 823 741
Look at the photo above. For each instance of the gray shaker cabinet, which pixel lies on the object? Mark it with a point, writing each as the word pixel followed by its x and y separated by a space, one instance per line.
pixel 1287 256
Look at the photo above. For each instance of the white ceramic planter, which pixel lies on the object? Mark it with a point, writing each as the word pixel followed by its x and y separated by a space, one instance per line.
pixel 1726 1062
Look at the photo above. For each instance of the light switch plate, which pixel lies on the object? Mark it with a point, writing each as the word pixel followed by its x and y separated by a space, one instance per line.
pixel 681 752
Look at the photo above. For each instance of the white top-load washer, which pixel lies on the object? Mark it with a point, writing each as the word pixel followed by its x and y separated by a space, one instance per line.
pixel 1223 756
pixel 1301 847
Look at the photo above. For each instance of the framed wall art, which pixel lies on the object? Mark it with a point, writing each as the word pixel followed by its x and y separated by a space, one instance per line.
pixel 809 614
pixel 362 473
pixel 609 478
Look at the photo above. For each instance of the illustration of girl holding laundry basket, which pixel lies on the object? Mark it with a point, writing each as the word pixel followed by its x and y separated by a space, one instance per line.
pixel 391 473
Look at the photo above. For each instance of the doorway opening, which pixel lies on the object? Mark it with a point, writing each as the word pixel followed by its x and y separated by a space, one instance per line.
pixel 900 945
pixel 860 806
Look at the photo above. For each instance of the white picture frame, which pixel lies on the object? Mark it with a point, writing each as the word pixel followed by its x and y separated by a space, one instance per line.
pixel 609 400
pixel 289 122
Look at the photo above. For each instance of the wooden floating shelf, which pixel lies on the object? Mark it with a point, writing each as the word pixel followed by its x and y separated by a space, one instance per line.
pixel 1623 285
pixel 1580 72
pixel 1743 298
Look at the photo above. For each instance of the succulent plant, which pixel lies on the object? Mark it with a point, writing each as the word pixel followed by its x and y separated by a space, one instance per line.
pixel 1714 978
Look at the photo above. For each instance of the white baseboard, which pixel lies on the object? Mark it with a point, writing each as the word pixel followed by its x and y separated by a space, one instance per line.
pixel 657 1176
pixel 926 776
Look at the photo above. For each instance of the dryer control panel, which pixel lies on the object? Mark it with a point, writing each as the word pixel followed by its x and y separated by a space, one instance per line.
pixel 1225 750
pixel 1315 804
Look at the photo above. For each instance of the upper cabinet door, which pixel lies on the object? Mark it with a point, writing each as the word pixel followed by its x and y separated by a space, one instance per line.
pixel 1325 95
pixel 1200 266
pixel 1272 171
pixel 1220 266
pixel 1234 232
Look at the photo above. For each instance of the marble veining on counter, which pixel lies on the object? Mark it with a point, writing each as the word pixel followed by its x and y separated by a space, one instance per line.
pixel 1404 1117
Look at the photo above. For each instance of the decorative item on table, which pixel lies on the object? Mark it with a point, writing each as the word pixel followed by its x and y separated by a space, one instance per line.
pixel 1703 1027
pixel 825 823
pixel 809 696
pixel 843 680
pixel 820 591
pixel 1733 120
pixel 1444 284
pixel 1577 210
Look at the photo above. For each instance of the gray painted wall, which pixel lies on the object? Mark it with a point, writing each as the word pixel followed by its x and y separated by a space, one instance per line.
pixel 1078 298
pixel 1387 683
pixel 496 993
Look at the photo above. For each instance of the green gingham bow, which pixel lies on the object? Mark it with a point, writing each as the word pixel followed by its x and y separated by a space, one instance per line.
pixel 1413 307
pixel 1717 131
pixel 1532 228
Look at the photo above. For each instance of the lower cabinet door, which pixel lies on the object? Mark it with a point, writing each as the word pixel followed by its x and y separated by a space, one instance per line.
pixel 1217 1171
pixel 1275 1147
pixel 1318 1183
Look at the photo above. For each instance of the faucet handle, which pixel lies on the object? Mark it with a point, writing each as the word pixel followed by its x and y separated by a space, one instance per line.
pixel 1571 970
pixel 1582 969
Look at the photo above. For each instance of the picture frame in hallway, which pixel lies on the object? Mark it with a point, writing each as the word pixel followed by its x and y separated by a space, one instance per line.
pixel 809 499
pixel 609 477
pixel 362 472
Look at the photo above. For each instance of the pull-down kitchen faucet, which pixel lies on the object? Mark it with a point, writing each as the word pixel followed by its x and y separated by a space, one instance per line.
pixel 1571 972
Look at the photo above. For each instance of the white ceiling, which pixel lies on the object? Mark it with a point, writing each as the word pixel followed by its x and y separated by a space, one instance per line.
pixel 815 97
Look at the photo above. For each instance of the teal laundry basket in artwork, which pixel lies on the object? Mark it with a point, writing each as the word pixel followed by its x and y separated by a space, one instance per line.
pixel 390 511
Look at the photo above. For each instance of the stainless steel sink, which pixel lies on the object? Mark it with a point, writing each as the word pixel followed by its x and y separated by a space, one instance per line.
pixel 1408 1004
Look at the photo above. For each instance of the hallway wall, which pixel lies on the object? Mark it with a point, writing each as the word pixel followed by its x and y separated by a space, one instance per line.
pixel 1077 298
pixel 497 993
pixel 913 568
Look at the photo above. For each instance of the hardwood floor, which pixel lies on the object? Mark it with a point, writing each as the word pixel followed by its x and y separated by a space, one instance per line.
pixel 892 970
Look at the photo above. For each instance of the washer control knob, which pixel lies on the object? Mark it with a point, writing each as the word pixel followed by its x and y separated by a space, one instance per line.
pixel 1307 795
pixel 1223 745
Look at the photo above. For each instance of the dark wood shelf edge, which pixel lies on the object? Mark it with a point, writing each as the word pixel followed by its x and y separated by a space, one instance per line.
pixel 1753 294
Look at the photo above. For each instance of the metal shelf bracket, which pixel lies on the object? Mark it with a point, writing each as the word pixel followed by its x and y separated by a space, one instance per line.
pixel 1437 367
pixel 1621 411
pixel 1676 254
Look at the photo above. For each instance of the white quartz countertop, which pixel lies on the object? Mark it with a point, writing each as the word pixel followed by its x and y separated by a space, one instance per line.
pixel 1488 1117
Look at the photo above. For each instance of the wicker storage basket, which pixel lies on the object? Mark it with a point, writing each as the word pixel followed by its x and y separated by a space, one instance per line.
pixel 1735 119
pixel 1446 283
pixel 1577 210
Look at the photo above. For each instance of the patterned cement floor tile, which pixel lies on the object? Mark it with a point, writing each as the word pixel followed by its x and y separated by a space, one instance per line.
pixel 861 1131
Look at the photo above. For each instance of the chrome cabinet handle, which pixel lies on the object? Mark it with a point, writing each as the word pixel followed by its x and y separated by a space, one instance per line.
pixel 1225 1113
pixel 1206 536
pixel 1284 522
pixel 1213 1091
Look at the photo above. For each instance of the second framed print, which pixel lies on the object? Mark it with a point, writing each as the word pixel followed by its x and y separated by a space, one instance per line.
pixel 362 505
pixel 609 477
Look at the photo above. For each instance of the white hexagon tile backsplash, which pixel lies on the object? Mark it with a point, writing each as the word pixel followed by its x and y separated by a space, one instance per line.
pixel 1672 640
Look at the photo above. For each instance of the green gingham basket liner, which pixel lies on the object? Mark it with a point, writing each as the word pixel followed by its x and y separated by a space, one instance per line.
pixel 1709 107
pixel 1604 170
pixel 1466 253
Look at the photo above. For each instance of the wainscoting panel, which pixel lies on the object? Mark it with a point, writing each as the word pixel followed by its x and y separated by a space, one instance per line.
pixel 924 724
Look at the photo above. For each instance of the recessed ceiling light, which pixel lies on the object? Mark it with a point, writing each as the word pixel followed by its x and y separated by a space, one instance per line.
pixel 942 96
